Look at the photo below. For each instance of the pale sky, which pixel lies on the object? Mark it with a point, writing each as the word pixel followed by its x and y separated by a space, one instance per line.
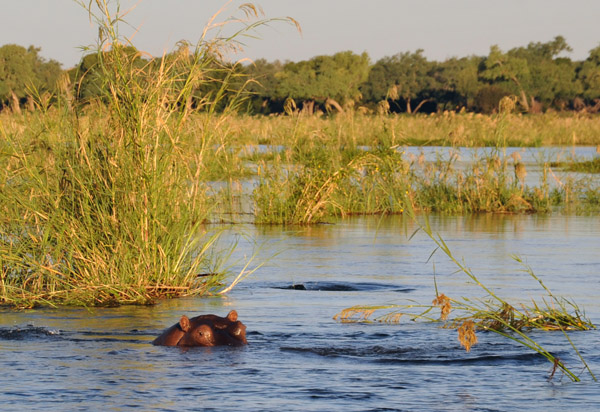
pixel 443 28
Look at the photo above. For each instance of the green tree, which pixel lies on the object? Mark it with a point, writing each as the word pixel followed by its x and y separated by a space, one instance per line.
pixel 499 66
pixel 589 75
pixel 87 79
pixel 24 70
pixel 263 84
pixel 404 76
pixel 331 80
pixel 535 73
pixel 552 77
pixel 555 81
pixel 459 78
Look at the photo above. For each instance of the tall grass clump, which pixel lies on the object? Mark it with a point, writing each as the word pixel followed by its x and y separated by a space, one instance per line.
pixel 295 193
pixel 104 204
pixel 491 182
pixel 485 185
pixel 313 180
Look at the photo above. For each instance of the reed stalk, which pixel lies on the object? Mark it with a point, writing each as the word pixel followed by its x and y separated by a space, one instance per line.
pixel 490 313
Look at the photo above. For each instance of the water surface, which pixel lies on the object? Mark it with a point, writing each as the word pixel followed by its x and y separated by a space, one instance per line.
pixel 298 357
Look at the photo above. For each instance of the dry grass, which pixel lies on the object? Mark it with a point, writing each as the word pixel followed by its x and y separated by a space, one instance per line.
pixel 445 129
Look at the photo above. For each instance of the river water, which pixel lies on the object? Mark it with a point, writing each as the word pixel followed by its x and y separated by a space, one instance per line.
pixel 299 358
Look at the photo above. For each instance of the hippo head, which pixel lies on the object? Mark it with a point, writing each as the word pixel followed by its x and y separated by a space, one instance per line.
pixel 211 330
pixel 205 330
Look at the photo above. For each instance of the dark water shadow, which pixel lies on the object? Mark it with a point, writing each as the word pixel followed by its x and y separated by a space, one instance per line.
pixel 415 356
pixel 332 286
pixel 33 333
pixel 28 332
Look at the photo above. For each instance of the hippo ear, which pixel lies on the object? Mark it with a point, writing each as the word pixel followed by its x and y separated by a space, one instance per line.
pixel 184 323
pixel 232 316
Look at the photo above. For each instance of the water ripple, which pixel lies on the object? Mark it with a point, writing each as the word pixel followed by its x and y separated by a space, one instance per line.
pixel 27 332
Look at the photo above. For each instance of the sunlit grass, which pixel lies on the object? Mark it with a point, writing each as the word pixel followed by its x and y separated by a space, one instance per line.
pixel 440 129
pixel 103 204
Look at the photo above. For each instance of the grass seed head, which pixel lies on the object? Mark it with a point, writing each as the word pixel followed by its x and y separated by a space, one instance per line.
pixel 445 305
pixel 466 334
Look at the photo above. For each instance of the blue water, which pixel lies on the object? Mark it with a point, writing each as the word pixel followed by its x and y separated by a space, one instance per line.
pixel 299 358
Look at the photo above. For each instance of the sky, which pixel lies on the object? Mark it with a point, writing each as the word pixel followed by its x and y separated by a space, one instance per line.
pixel 443 28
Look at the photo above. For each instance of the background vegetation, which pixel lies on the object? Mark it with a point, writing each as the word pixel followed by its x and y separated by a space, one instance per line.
pixel 110 171
pixel 539 74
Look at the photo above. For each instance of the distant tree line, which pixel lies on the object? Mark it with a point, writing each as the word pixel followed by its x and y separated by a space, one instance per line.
pixel 538 75
pixel 24 72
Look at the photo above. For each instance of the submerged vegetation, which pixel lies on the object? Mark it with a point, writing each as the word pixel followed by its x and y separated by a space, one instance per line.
pixel 489 313
pixel 585 166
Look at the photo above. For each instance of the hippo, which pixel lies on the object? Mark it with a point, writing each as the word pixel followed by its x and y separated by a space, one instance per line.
pixel 205 330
